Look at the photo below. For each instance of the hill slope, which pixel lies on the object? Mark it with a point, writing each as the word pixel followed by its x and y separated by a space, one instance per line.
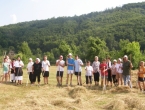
pixel 126 22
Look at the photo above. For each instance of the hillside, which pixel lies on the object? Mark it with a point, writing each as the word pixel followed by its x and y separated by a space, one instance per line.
pixel 126 22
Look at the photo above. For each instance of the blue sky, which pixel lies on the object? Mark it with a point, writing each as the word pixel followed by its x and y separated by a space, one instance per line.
pixel 14 11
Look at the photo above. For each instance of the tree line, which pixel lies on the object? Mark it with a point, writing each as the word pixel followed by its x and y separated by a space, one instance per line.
pixel 114 32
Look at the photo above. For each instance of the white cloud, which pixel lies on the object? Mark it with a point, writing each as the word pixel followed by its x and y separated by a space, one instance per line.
pixel 14 18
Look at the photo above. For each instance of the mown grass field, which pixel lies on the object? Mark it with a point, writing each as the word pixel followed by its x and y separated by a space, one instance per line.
pixel 51 97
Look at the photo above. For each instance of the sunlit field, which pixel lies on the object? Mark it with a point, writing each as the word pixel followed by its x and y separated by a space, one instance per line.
pixel 52 97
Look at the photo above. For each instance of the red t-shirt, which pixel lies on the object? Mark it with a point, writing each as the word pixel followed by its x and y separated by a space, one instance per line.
pixel 102 67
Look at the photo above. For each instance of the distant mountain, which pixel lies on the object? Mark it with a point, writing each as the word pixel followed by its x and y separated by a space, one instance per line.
pixel 126 22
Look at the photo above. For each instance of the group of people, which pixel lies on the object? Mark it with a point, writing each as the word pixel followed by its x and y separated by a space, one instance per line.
pixel 110 73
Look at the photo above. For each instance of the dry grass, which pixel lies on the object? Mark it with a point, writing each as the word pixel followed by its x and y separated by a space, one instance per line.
pixel 51 97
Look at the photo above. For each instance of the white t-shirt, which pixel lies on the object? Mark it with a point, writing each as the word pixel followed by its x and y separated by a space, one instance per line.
pixel 60 68
pixel 89 70
pixel 45 65
pixel 119 68
pixel 29 66
pixel 18 63
pixel 78 64
pixel 113 69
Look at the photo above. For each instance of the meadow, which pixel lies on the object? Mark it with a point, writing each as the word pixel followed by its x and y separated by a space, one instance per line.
pixel 52 97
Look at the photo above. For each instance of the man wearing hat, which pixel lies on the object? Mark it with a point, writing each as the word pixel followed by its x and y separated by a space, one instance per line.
pixel 127 65
pixel 70 68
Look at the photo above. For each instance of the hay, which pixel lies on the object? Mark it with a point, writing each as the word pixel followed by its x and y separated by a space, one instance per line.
pixel 126 103
pixel 121 89
pixel 77 92
pixel 116 105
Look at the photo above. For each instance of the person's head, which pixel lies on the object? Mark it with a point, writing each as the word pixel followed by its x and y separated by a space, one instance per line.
pixel 18 58
pixel 30 59
pixel 104 61
pixel 88 63
pixel 108 59
pixel 96 58
pixel 119 60
pixel 76 57
pixel 114 61
pixel 45 57
pixel 141 63
pixel 125 57
pixel 5 59
pixel 37 60
pixel 13 60
pixel 70 55
pixel 60 57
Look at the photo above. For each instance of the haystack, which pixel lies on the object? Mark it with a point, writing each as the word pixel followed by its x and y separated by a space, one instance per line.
pixel 121 89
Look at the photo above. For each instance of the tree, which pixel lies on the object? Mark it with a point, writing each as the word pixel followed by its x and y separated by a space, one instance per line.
pixel 64 48
pixel 96 47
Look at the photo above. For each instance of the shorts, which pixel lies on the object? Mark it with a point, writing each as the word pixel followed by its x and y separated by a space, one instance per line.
pixel 70 71
pixel 45 74
pixel 102 77
pixel 12 76
pixel 59 73
pixel 140 79
pixel 18 78
pixel 78 73
pixel 5 72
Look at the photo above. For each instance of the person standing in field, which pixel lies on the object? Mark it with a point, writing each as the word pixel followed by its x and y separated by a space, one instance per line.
pixel 60 63
pixel 78 63
pixel 29 70
pixel 6 68
pixel 104 73
pixel 141 72
pixel 70 68
pixel 89 73
pixel 109 79
pixel 9 62
pixel 96 69
pixel 127 65
pixel 113 72
pixel 12 76
pixel 18 70
pixel 36 71
pixel 119 71
pixel 45 69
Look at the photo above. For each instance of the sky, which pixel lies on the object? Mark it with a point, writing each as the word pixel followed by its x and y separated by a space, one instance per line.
pixel 15 11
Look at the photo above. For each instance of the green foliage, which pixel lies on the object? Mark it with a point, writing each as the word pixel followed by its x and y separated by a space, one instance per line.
pixel 96 47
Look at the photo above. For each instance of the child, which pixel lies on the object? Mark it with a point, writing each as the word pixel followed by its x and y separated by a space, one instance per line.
pixel 6 68
pixel 12 76
pixel 141 73
pixel 89 72
pixel 104 73
pixel 113 71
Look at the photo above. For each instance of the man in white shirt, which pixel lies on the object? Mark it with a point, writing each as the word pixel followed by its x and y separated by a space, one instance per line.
pixel 78 69
pixel 60 63
pixel 45 69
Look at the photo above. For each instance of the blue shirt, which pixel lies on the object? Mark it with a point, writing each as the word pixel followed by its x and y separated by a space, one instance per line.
pixel 70 61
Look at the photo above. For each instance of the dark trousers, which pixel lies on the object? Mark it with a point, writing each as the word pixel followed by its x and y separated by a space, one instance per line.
pixel 114 78
pixel 36 76
pixel 31 77
pixel 88 79
pixel 96 76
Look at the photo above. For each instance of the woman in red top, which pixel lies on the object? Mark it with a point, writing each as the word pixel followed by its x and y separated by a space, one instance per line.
pixel 104 73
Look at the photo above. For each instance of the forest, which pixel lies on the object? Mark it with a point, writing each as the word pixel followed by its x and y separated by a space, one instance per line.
pixel 110 33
